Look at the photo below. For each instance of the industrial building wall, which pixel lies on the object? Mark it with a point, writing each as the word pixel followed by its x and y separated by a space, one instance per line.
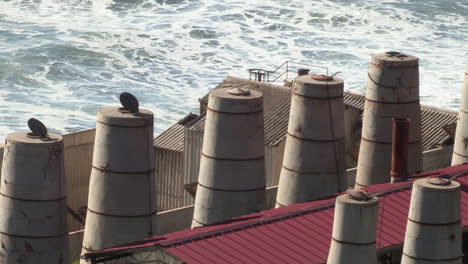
pixel 273 162
pixel 352 118
pixel 193 141
pixel 170 180
pixel 78 155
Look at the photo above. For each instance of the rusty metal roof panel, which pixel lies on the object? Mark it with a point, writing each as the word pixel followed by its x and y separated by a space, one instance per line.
pixel 300 233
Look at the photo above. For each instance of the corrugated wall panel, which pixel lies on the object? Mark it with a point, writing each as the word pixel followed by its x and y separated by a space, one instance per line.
pixel 78 154
pixel 273 162
pixel 192 153
pixel 169 178
pixel 351 119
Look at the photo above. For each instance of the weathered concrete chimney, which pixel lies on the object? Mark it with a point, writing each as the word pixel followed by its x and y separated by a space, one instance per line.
pixel 354 229
pixel 122 190
pixel 433 233
pixel 460 148
pixel 33 206
pixel 314 156
pixel 231 181
pixel 392 92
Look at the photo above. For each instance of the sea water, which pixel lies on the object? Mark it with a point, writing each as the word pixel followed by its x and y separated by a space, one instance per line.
pixel 61 60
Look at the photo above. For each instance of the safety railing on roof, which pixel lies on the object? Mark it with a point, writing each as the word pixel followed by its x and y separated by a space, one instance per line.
pixel 283 70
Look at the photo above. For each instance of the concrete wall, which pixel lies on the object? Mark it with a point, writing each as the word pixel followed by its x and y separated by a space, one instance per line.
pixel 175 220
pixel 438 158
pixel 75 240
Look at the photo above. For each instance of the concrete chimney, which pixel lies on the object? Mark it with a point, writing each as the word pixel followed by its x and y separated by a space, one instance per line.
pixel 460 148
pixel 314 156
pixel 122 190
pixel 354 229
pixel 231 181
pixel 392 92
pixel 433 233
pixel 33 206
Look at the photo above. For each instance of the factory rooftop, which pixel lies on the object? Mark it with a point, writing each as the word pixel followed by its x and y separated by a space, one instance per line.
pixel 300 233
pixel 435 122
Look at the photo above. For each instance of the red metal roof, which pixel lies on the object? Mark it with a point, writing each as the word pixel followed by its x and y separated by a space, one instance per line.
pixel 300 233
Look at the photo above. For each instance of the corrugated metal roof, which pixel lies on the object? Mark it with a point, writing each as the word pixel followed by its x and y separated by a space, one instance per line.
pixel 299 233
pixel 433 122
pixel 173 137
pixel 355 100
pixel 277 102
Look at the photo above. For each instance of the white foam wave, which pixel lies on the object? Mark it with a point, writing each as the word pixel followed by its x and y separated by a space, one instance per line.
pixel 62 60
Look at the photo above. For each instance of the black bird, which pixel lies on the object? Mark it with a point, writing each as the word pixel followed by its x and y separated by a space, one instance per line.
pixel 37 128
pixel 129 102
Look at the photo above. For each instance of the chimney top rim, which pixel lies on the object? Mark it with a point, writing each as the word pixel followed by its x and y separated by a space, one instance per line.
pixel 322 77
pixel 358 195
pixel 439 181
pixel 239 91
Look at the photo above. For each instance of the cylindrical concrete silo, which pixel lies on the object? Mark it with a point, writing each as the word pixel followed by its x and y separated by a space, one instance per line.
pixel 354 230
pixel 33 207
pixel 314 155
pixel 460 148
pixel 433 233
pixel 231 181
pixel 122 201
pixel 392 92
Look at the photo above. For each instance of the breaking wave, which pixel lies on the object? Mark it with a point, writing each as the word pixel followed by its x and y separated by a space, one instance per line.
pixel 62 60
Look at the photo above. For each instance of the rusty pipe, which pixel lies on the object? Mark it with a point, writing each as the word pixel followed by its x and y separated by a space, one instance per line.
pixel 399 168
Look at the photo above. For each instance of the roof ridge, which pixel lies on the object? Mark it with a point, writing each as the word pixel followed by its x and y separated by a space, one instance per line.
pixel 279 217
pixel 250 224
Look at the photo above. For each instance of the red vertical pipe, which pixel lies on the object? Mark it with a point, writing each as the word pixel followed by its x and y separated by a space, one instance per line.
pixel 399 169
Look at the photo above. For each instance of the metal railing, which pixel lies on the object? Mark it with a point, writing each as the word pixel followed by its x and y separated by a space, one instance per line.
pixel 284 69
